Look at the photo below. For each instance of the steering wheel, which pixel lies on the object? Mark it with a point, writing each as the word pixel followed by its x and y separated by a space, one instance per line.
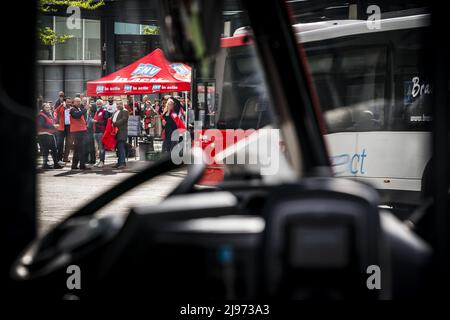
pixel 81 232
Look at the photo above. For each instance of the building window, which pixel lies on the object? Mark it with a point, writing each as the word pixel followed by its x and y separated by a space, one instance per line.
pixel 45 52
pixel 72 49
pixel 126 28
pixel 84 45
pixel 92 40
pixel 131 28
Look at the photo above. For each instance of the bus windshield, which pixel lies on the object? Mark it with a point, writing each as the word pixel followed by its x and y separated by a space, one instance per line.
pixel 245 102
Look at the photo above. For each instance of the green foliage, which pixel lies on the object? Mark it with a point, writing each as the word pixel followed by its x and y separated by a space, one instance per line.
pixel 151 30
pixel 49 5
pixel 47 36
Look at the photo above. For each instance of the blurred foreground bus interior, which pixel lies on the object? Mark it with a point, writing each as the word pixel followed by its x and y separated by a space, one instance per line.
pixel 357 207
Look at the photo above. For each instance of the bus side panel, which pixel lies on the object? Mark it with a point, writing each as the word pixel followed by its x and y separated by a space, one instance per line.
pixel 382 158
pixel 213 140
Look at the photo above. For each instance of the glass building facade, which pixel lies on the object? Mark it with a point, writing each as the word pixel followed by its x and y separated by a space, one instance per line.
pixel 68 66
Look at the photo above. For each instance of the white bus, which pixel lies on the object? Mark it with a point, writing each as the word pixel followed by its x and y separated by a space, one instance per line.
pixel 375 97
pixel 372 89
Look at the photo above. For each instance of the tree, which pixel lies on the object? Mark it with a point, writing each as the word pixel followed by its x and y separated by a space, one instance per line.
pixel 48 36
pixel 49 5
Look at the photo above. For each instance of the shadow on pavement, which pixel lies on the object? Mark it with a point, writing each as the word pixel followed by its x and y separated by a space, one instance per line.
pixel 132 167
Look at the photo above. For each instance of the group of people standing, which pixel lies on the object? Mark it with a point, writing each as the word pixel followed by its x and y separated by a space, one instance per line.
pixel 92 126
pixel 76 124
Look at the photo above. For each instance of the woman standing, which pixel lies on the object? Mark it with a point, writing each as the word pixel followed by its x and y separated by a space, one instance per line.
pixel 171 122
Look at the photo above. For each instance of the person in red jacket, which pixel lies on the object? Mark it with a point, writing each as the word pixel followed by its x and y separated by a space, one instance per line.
pixel 46 137
pixel 64 139
pixel 78 131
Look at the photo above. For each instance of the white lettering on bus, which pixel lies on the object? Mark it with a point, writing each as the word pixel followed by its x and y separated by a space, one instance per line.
pixel 419 89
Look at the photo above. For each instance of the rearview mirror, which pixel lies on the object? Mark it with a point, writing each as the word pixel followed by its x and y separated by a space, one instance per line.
pixel 190 29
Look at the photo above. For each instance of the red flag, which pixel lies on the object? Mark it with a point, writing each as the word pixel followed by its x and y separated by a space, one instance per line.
pixel 109 137
pixel 180 124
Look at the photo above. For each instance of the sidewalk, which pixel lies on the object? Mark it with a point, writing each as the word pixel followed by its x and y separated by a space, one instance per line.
pixel 61 192
pixel 134 165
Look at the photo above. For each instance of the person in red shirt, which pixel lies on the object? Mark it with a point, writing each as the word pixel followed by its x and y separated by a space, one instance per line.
pixel 78 130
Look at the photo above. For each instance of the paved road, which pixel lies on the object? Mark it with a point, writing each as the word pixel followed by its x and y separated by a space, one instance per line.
pixel 60 192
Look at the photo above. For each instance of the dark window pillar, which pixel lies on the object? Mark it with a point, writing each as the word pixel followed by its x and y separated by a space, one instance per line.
pixel 107 43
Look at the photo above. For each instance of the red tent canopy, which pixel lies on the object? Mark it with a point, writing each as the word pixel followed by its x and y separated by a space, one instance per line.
pixel 150 74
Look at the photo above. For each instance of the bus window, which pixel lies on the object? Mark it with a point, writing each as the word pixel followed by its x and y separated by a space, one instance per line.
pixel 243 102
pixel 412 110
pixel 235 101
pixel 350 82
pixel 206 103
